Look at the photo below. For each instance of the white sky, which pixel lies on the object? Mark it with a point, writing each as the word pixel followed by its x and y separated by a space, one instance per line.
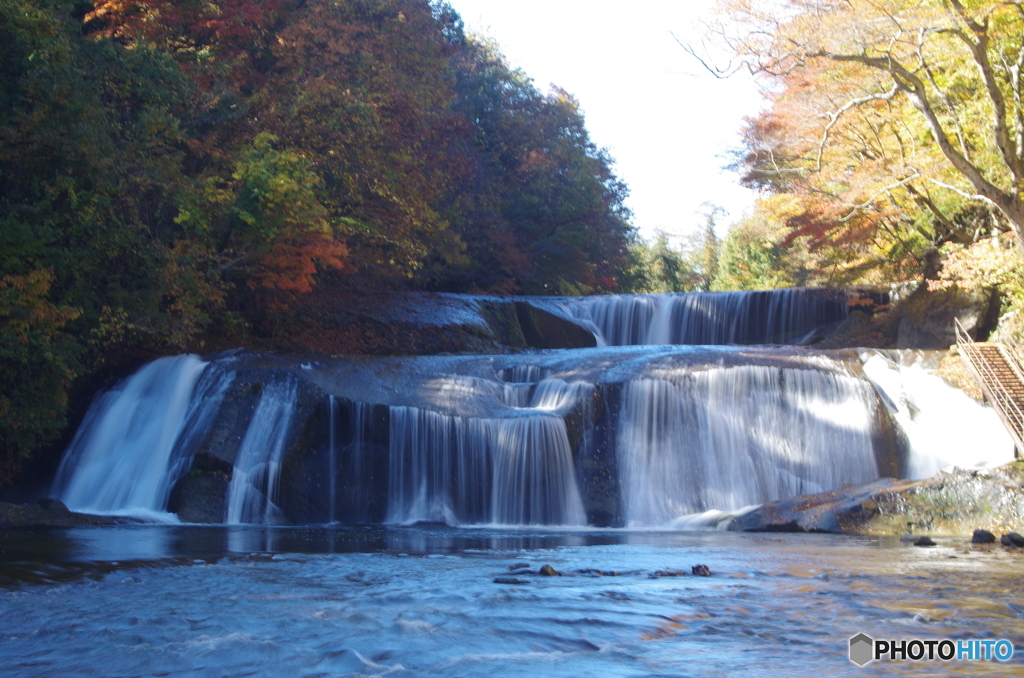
pixel 667 122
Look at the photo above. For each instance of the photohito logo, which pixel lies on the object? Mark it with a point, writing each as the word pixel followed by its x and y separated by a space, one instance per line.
pixel 865 649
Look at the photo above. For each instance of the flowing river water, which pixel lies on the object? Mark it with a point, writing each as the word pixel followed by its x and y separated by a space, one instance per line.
pixel 154 600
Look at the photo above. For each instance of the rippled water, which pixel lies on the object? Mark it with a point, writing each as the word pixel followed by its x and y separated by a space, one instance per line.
pixel 232 601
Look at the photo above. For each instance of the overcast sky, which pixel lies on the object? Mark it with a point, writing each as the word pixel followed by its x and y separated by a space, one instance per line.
pixel 667 122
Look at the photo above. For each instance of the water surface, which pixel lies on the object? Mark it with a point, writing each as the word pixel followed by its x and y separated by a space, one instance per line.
pixel 255 600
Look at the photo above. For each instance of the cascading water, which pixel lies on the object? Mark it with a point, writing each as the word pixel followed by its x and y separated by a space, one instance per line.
pixel 769 317
pixel 332 451
pixel 122 458
pixel 639 436
pixel 512 470
pixel 254 479
pixel 944 427
pixel 727 438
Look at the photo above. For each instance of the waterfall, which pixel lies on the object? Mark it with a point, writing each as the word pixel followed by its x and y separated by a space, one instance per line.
pixel 727 438
pixel 785 316
pixel 944 426
pixel 332 452
pixel 634 436
pixel 515 470
pixel 254 480
pixel 122 458
pixel 466 470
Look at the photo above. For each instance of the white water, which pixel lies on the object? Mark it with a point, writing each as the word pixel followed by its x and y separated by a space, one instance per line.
pixel 686 438
pixel 462 470
pixel 727 438
pixel 776 316
pixel 254 480
pixel 332 451
pixel 120 458
pixel 499 470
pixel 944 426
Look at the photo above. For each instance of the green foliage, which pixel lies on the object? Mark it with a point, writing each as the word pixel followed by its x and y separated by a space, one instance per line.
pixel 37 363
pixel 181 173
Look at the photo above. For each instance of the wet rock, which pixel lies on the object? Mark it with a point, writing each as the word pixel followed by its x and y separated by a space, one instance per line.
pixel 946 505
pixel 52 505
pixel 820 512
pixel 542 329
pixel 701 570
pixel 982 537
pixel 924 541
pixel 548 571
pixel 519 566
pixel 200 498
pixel 33 515
pixel 1012 539
pixel 598 573
pixel 670 573
pixel 510 580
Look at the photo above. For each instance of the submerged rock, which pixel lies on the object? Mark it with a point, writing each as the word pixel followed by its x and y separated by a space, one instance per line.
pixel 548 571
pixel 924 541
pixel 510 580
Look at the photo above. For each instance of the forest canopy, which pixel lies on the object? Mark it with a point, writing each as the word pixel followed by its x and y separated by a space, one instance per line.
pixel 175 174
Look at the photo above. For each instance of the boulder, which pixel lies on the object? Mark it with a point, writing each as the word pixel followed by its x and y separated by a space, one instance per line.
pixel 948 504
pixel 1012 539
pixel 928 317
pixel 983 537
pixel 55 514
pixel 542 329
pixel 200 498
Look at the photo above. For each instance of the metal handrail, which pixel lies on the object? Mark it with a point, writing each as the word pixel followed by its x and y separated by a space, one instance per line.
pixel 984 374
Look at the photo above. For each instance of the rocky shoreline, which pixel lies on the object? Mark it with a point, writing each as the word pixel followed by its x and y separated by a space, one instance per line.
pixel 51 513
pixel 951 504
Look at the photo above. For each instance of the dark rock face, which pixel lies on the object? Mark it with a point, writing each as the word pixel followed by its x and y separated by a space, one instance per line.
pixel 50 513
pixel 52 505
pixel 596 460
pixel 701 570
pixel 928 317
pixel 983 537
pixel 542 329
pixel 200 498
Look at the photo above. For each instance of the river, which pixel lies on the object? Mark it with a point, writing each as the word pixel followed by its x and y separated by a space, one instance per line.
pixel 153 600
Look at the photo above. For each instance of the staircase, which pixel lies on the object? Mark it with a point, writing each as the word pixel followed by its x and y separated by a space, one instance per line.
pixel 1000 377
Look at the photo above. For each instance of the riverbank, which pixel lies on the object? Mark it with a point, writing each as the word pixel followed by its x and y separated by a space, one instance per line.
pixel 949 504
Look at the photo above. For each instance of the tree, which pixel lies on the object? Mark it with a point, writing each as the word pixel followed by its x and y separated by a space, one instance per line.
pixel 885 108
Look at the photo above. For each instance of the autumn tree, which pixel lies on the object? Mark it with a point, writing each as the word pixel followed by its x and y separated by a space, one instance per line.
pixel 900 123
